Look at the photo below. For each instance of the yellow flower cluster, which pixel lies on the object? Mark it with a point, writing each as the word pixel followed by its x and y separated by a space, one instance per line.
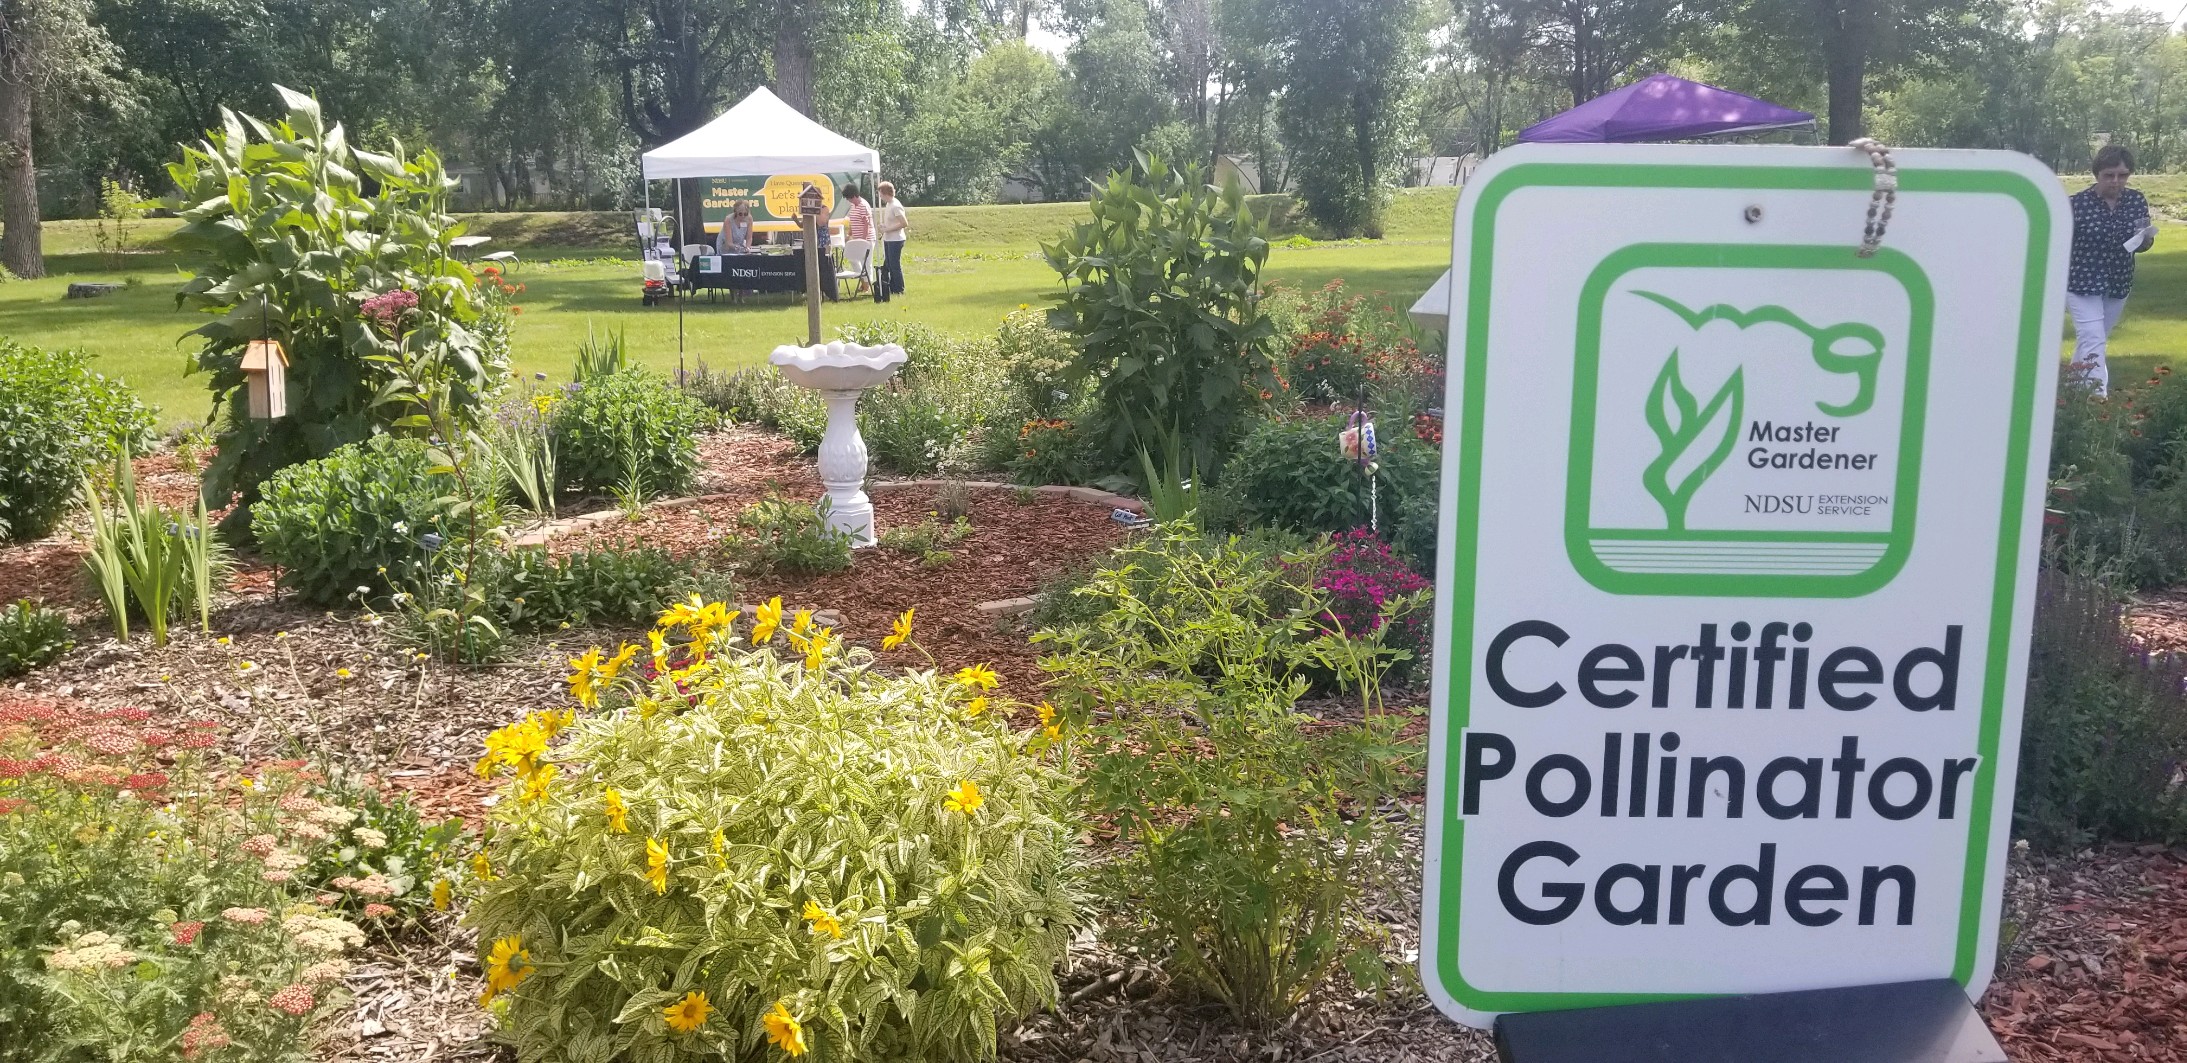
pixel 698 617
pixel 590 675
pixel 521 745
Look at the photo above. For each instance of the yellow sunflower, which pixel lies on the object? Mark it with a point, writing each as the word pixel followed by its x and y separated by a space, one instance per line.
pixel 442 894
pixel 688 1014
pixel 822 920
pixel 965 798
pixel 611 803
pixel 783 1030
pixel 816 650
pixel 900 633
pixel 659 646
pixel 1048 722
pixel 977 676
pixel 507 965
pixel 975 707
pixel 656 864
pixel 482 869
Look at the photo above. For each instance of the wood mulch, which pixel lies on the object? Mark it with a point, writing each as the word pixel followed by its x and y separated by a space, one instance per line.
pixel 2096 965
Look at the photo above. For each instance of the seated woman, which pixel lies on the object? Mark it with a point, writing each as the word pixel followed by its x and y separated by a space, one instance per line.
pixel 735 237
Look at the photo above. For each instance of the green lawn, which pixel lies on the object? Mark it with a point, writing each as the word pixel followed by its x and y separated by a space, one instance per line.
pixel 966 268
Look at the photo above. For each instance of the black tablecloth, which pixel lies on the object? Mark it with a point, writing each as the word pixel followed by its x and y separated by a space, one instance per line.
pixel 748 273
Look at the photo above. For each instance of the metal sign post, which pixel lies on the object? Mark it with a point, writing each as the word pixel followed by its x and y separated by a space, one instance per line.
pixel 1739 529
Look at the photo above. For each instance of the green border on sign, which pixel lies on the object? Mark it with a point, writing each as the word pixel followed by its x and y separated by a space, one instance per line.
pixel 2033 356
pixel 1579 478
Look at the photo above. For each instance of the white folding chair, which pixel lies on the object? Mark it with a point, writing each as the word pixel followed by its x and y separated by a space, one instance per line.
pixel 857 264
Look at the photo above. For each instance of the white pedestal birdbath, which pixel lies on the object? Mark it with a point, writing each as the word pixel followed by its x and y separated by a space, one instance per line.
pixel 839 371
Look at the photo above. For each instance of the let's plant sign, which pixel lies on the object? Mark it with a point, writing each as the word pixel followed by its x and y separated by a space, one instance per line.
pixel 1739 541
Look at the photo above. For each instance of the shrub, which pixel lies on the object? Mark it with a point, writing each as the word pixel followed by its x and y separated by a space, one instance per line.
pixel 1291 474
pixel 1049 452
pixel 1252 836
pixel 1163 308
pixel 625 421
pixel 62 418
pixel 1037 359
pixel 937 413
pixel 153 902
pixel 847 864
pixel 528 589
pixel 2105 727
pixel 761 397
pixel 779 534
pixel 31 635
pixel 1342 345
pixel 341 255
pixel 364 516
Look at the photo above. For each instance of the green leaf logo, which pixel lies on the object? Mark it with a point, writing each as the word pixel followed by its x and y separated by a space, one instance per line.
pixel 1684 428
pixel 1822 344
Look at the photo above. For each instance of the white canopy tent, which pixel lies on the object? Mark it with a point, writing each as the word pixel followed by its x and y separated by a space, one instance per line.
pixel 761 135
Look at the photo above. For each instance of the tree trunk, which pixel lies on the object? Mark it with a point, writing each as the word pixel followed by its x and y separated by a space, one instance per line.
pixel 20 248
pixel 1370 173
pixel 794 63
pixel 1846 59
pixel 1846 77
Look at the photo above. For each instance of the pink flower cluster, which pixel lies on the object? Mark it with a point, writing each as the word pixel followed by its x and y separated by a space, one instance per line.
pixel 388 309
pixel 1363 575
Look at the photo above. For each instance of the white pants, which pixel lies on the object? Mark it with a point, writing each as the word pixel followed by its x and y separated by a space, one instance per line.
pixel 2095 317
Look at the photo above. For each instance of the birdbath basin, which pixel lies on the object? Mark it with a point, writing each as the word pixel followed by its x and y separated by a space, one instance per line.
pixel 840 371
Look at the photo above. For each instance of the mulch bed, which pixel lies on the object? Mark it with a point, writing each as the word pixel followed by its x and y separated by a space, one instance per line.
pixel 1014 549
pixel 2098 970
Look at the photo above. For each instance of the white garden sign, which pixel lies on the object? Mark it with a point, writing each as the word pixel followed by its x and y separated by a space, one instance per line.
pixel 1736 576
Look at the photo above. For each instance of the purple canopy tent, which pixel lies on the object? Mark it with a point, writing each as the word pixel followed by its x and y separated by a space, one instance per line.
pixel 1661 107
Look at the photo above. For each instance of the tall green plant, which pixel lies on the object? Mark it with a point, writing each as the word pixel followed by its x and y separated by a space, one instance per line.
pixel 1251 834
pixel 357 285
pixel 1161 301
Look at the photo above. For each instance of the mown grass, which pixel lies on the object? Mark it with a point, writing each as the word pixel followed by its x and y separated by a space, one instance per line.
pixel 967 267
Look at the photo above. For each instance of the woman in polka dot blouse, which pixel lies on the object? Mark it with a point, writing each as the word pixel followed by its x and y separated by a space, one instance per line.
pixel 2110 226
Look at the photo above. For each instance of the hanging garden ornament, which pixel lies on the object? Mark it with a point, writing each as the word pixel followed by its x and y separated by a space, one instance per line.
pixel 1358 442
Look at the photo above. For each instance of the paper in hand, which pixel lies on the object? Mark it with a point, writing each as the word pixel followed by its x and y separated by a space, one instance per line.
pixel 2141 236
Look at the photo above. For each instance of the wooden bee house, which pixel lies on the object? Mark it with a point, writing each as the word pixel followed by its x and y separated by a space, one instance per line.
pixel 265 379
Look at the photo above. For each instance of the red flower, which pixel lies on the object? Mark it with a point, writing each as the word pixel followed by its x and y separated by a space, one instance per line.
pixel 186 933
